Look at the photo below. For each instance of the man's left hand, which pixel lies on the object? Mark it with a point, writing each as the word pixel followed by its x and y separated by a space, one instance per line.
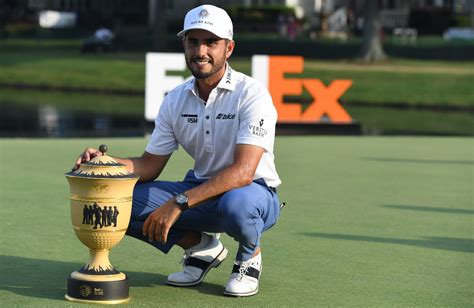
pixel 159 222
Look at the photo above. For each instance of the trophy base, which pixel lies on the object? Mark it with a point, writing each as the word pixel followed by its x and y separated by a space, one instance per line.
pixel 97 291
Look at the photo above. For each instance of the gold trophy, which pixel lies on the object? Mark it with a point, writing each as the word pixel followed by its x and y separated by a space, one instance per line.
pixel 101 204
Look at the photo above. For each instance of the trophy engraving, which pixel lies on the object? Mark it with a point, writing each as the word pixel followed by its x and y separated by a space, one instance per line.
pixel 101 203
pixel 101 188
pixel 100 217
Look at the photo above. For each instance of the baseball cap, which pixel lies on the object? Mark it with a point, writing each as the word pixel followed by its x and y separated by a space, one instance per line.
pixel 211 18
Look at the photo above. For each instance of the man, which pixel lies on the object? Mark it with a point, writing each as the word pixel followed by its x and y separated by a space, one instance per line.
pixel 226 122
pixel 97 215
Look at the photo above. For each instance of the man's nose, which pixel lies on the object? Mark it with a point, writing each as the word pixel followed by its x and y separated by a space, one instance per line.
pixel 201 49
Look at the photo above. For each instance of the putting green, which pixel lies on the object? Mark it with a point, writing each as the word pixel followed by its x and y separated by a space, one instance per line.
pixel 369 221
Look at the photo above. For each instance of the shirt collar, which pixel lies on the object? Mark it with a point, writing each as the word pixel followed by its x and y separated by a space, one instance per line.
pixel 228 80
pixel 190 84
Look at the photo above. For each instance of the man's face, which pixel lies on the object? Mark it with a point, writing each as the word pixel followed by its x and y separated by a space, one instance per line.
pixel 206 53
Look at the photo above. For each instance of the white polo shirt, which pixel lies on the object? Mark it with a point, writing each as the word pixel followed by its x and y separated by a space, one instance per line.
pixel 238 111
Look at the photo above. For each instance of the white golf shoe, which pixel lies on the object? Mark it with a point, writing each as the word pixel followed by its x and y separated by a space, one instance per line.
pixel 244 278
pixel 198 260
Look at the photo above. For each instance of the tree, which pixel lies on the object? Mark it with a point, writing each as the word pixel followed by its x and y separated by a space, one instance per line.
pixel 7 9
pixel 372 49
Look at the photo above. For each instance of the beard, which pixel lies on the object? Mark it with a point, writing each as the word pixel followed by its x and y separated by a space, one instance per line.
pixel 216 66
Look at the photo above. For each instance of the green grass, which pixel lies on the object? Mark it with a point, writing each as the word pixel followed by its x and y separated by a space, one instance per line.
pixel 55 63
pixel 370 221
pixel 417 88
pixel 74 70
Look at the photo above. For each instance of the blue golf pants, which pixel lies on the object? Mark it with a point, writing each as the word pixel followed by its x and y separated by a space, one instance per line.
pixel 243 213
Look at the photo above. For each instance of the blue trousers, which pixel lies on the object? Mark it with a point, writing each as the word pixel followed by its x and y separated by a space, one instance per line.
pixel 242 213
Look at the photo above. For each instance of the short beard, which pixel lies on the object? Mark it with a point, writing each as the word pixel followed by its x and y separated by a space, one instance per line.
pixel 216 67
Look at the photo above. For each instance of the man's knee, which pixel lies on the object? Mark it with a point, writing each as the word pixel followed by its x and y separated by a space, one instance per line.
pixel 236 205
pixel 146 198
pixel 240 216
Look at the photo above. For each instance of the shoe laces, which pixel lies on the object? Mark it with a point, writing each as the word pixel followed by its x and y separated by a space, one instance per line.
pixel 244 265
pixel 185 257
pixel 186 269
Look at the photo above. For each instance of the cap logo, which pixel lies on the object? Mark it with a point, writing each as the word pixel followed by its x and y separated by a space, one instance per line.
pixel 204 13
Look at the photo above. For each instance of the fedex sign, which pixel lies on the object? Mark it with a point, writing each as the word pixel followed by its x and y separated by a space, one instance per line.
pixel 270 71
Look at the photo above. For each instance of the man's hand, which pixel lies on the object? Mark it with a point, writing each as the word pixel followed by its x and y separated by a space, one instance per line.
pixel 159 222
pixel 87 155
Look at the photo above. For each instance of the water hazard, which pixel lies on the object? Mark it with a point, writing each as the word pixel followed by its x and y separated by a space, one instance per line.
pixel 51 116
pixel 50 121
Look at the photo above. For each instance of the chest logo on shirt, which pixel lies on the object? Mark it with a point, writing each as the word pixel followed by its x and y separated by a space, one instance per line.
pixel 192 118
pixel 257 129
pixel 224 116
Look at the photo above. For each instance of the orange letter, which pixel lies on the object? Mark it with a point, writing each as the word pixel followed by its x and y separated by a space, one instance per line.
pixel 325 100
pixel 279 86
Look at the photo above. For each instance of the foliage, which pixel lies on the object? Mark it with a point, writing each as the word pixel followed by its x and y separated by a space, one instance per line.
pixel 258 18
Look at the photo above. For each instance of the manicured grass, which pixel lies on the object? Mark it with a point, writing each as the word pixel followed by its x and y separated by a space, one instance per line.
pixel 57 64
pixel 412 88
pixel 67 68
pixel 369 221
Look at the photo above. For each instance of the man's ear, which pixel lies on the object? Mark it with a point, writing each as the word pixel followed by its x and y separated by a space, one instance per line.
pixel 229 48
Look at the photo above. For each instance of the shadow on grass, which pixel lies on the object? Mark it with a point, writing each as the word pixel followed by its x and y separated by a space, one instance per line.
pixel 443 243
pixel 48 279
pixel 420 161
pixel 429 209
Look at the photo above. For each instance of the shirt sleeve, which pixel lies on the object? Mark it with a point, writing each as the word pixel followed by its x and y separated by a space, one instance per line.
pixel 257 118
pixel 163 141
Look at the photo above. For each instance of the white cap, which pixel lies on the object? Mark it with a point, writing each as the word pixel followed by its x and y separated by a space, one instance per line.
pixel 211 18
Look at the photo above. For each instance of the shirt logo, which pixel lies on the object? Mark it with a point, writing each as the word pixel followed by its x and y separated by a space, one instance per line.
pixel 257 129
pixel 223 116
pixel 192 118
pixel 228 76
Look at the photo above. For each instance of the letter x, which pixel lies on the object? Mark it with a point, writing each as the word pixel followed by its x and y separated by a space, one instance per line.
pixel 325 100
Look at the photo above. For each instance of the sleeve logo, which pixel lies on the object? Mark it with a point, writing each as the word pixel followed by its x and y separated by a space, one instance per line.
pixel 258 130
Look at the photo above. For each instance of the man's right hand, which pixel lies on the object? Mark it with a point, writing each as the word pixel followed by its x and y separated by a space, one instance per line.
pixel 87 155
